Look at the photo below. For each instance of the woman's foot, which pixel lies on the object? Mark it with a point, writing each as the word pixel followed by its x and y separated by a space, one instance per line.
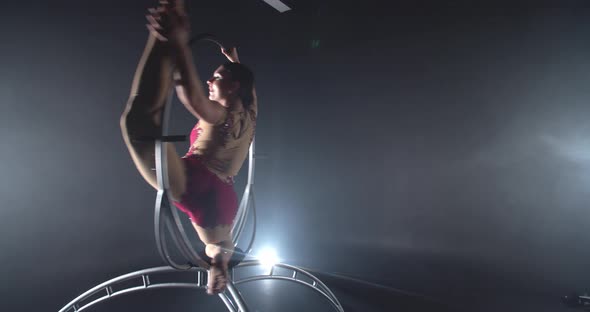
pixel 218 275
pixel 220 255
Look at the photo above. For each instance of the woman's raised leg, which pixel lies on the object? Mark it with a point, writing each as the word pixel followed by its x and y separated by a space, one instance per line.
pixel 142 117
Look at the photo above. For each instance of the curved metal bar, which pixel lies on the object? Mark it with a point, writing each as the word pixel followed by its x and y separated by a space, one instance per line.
pixel 334 303
pixel 248 249
pixel 161 176
pixel 134 290
pixel 161 242
pixel 238 226
pixel 241 216
pixel 231 298
pixel 107 289
pixel 205 37
pixel 247 204
pixel 317 284
pixel 223 296
pixel 119 279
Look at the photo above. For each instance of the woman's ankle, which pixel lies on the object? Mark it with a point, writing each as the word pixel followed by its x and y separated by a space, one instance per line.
pixel 220 251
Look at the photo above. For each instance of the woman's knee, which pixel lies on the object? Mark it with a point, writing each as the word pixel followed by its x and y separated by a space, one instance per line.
pixel 123 123
pixel 224 248
pixel 136 124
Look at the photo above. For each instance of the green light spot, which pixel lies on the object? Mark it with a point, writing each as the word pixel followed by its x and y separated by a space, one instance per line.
pixel 315 44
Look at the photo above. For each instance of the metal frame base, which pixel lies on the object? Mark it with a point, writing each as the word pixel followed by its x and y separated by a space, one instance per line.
pixel 232 298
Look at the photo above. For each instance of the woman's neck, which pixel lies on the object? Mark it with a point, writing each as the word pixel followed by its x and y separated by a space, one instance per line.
pixel 233 104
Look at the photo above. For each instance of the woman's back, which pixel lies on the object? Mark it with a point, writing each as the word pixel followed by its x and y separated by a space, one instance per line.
pixel 224 147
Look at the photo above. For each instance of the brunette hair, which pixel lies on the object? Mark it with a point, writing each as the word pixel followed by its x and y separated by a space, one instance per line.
pixel 242 74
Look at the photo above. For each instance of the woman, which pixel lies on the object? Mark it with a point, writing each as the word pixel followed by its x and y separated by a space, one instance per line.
pixel 201 182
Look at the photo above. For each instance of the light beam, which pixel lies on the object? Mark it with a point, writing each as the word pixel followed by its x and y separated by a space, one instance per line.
pixel 278 5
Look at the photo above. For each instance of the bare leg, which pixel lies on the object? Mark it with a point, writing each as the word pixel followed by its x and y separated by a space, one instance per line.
pixel 143 115
pixel 219 247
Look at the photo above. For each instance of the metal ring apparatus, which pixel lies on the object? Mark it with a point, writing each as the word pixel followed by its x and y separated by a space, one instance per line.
pixel 167 219
pixel 166 215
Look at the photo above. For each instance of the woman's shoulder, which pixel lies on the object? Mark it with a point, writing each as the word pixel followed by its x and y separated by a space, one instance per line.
pixel 242 112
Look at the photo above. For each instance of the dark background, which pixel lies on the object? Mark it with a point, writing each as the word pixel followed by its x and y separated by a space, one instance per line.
pixel 437 147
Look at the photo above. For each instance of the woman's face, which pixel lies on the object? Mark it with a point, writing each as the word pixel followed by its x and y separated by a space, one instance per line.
pixel 220 86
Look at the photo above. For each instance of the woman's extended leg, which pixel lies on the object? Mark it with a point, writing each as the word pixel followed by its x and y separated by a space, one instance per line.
pixel 142 117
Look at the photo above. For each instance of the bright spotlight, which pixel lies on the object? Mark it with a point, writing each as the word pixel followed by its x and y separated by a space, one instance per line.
pixel 268 257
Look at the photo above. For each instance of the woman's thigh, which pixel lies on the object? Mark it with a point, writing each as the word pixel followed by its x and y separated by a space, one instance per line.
pixel 143 156
pixel 210 203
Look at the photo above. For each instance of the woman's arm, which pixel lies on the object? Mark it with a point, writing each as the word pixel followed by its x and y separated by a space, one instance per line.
pixel 189 88
pixel 170 23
